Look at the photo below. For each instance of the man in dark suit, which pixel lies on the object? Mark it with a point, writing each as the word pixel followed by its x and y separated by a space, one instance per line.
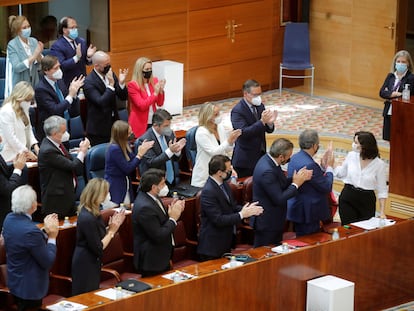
pixel 219 211
pixel 52 95
pixel 30 252
pixel 250 116
pixel 272 189
pixel 10 179
pixel 102 88
pixel 71 50
pixel 310 206
pixel 154 225
pixel 166 148
pixel 58 169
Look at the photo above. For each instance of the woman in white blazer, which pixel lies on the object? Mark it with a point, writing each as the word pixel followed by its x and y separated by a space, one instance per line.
pixel 211 139
pixel 23 53
pixel 15 124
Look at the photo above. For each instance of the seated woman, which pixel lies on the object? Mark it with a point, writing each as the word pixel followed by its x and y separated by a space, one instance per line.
pixel 15 124
pixel 120 162
pixel 92 237
pixel 211 139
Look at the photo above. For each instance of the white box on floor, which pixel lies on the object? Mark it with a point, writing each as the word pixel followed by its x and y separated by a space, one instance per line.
pixel 173 73
pixel 330 293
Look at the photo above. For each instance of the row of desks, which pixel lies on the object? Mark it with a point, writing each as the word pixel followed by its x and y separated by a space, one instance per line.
pixel 379 262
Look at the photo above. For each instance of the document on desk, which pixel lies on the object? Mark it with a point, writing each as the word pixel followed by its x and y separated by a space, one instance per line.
pixel 182 276
pixel 66 305
pixel 372 223
pixel 112 293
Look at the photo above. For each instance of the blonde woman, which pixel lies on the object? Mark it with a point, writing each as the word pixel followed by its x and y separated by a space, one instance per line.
pixel 211 139
pixel 121 162
pixel 92 236
pixel 15 124
pixel 145 96
pixel 23 52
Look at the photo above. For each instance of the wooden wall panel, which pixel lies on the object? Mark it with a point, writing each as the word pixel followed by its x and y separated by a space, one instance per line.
pixel 245 48
pixel 209 52
pixel 258 69
pixel 208 23
pixel 208 4
pixel 148 32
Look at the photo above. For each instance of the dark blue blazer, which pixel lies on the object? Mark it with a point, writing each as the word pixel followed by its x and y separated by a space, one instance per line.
pixel 29 257
pixel 311 203
pixel 248 147
pixel 218 218
pixel 272 189
pixel 388 87
pixel 102 108
pixel 8 182
pixel 65 52
pixel 152 235
pixel 48 104
pixel 117 172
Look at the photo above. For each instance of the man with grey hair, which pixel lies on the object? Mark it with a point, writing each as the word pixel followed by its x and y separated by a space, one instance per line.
pixel 310 206
pixel 29 255
pixel 272 189
pixel 102 90
pixel 58 169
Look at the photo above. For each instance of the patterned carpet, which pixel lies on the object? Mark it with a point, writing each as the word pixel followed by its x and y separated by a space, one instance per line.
pixel 297 111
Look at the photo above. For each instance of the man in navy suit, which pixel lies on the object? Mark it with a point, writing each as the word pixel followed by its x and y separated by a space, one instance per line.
pixel 10 179
pixel 30 251
pixel 71 50
pixel 102 88
pixel 272 189
pixel 311 205
pixel 153 224
pixel 52 95
pixel 250 116
pixel 219 211
pixel 166 149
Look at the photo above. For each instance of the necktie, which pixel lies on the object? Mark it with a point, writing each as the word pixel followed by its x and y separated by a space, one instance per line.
pixel 66 154
pixel 254 111
pixel 224 191
pixel 168 164
pixel 59 92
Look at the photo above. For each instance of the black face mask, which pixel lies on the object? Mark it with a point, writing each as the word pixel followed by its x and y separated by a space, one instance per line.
pixel 106 69
pixel 228 175
pixel 147 74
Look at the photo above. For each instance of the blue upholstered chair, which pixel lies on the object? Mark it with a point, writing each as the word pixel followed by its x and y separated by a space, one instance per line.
pixel 296 54
pixel 76 131
pixel 191 146
pixel 95 161
pixel 2 78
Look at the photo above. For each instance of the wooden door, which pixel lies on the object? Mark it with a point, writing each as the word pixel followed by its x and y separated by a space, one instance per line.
pixel 373 45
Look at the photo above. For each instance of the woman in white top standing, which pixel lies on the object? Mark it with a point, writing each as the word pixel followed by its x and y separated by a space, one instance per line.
pixel 15 124
pixel 211 139
pixel 363 173
pixel 23 52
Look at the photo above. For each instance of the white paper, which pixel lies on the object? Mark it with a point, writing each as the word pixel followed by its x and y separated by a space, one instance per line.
pixel 66 305
pixel 372 223
pixel 279 249
pixel 183 276
pixel 229 264
pixel 111 293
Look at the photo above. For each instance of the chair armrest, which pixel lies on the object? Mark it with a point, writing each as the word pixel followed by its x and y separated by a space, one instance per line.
pixel 60 285
pixel 129 262
pixel 107 273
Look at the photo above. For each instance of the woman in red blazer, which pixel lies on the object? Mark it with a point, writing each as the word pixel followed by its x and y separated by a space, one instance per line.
pixel 145 94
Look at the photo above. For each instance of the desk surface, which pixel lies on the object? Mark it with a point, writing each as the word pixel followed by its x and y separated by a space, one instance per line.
pixel 378 262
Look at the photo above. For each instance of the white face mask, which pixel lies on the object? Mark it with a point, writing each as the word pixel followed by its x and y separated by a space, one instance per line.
pixel 107 199
pixel 65 136
pixel 257 100
pixel 355 147
pixel 58 74
pixel 25 105
pixel 164 191
pixel 217 120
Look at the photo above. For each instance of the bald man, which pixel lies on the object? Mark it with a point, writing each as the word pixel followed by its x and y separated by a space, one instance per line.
pixel 102 88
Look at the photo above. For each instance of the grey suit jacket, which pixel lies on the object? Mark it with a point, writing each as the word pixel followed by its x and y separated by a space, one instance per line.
pixel 16 55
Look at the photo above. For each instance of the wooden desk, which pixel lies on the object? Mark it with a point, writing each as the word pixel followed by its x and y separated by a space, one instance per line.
pixel 380 262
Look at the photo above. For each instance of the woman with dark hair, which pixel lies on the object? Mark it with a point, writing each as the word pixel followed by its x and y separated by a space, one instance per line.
pixel 120 162
pixel 363 173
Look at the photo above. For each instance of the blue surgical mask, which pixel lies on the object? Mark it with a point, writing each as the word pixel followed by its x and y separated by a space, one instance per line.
pixel 401 67
pixel 73 33
pixel 26 32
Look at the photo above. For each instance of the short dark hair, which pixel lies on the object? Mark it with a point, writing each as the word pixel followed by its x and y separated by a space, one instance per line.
pixel 369 147
pixel 308 138
pixel 151 177
pixel 48 62
pixel 280 146
pixel 160 116
pixel 63 23
pixel 217 163
pixel 247 86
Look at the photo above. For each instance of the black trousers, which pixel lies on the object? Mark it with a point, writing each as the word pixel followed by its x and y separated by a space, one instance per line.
pixel 356 204
pixel 26 304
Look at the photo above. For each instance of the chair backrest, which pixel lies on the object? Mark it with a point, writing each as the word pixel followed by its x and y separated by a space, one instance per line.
pixel 296 46
pixel 191 145
pixel 76 131
pixel 2 78
pixel 248 189
pixel 95 161
pixel 123 115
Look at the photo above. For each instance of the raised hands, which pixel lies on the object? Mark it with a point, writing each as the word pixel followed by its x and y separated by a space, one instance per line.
pixel 122 75
pixel 251 209
pixel 75 85
pixel 144 147
pixel 176 146
pixel 234 134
